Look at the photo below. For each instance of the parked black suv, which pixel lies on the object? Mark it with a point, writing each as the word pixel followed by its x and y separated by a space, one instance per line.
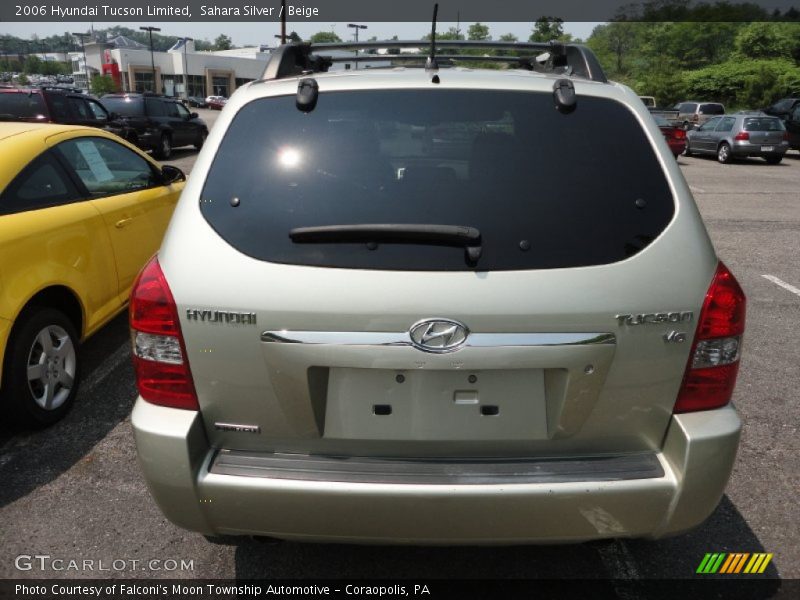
pixel 57 105
pixel 783 108
pixel 157 123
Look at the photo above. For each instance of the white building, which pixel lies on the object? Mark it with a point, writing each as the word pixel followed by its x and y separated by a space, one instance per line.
pixel 204 73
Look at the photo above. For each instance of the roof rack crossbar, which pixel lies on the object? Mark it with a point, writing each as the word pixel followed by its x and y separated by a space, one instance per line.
pixel 291 60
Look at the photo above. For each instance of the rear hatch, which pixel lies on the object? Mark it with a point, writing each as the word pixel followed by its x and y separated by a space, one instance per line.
pixel 764 131
pixel 544 330
pixel 22 105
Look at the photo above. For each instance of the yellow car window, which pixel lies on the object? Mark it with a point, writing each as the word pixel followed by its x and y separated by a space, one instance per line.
pixel 40 185
pixel 106 167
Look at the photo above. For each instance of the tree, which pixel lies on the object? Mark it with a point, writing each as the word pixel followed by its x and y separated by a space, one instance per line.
pixel 325 37
pixel 764 40
pixel 23 79
pixel 450 34
pixel 613 43
pixel 223 42
pixel 478 32
pixel 546 29
pixel 33 65
pixel 102 84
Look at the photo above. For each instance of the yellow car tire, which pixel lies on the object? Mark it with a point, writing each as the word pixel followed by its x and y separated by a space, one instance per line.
pixel 41 368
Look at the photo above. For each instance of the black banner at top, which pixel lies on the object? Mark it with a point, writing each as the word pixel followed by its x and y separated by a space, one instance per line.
pixel 330 11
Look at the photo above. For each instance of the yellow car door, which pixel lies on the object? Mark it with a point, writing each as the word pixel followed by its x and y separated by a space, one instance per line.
pixel 49 237
pixel 129 192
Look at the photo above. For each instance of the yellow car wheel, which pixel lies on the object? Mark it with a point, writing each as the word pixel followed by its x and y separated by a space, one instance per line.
pixel 41 368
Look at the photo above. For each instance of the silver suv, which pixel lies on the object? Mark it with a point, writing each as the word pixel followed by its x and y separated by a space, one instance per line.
pixel 432 305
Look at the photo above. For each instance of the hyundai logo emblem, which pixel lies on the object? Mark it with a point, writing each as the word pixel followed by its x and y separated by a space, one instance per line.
pixel 438 335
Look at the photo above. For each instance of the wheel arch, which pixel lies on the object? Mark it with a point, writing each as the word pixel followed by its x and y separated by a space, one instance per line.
pixel 59 297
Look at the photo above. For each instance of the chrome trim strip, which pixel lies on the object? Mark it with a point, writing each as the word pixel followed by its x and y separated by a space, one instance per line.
pixel 474 340
pixel 433 471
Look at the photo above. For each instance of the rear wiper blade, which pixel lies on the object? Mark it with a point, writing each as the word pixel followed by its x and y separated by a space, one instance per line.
pixel 399 233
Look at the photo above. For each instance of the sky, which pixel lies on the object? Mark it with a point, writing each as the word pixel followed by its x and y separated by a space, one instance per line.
pixel 252 34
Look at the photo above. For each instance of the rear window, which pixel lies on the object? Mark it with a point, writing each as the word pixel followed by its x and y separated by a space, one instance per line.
pixel 127 107
pixel 712 109
pixel 545 190
pixel 21 105
pixel 763 124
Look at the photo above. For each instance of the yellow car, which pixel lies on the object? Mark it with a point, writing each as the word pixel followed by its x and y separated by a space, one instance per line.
pixel 81 211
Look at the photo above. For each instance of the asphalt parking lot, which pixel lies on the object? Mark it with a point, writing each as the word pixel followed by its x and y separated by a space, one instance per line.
pixel 74 491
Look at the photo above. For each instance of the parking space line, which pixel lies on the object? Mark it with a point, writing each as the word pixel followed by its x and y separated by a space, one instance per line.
pixel 783 284
pixel 617 560
pixel 697 190
pixel 106 367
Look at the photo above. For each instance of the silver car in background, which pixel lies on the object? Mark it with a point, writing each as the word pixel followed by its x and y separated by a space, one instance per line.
pixel 740 136
pixel 692 114
pixel 451 307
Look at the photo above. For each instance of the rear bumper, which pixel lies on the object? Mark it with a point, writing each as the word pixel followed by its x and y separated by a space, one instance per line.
pixel 747 149
pixel 695 463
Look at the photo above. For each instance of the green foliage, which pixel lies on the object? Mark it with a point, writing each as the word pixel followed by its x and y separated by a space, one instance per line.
pixel 325 37
pixel 742 65
pixel 764 40
pixel 748 83
pixel 102 84
pixel 33 65
pixel 23 80
pixel 547 29
pixel 223 42
pixel 478 32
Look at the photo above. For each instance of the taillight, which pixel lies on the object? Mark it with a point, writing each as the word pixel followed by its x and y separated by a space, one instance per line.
pixel 742 136
pixel 679 134
pixel 159 354
pixel 710 374
pixel 785 136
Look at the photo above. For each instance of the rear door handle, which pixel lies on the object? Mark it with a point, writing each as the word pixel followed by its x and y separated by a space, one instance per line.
pixel 123 222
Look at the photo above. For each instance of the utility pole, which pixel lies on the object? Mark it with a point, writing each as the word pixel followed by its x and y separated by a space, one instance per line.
pixel 150 30
pixel 356 27
pixel 283 22
pixel 82 36
pixel 185 41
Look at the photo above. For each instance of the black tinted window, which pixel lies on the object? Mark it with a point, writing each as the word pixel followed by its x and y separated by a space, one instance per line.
pixel 171 109
pixel 127 107
pixel 41 184
pixel 763 124
pixel 712 109
pixel 60 106
pixel 545 189
pixel 22 106
pixel 80 109
pixel 98 111
pixel 155 107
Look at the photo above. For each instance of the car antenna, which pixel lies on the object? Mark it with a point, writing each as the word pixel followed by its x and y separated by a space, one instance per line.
pixel 431 66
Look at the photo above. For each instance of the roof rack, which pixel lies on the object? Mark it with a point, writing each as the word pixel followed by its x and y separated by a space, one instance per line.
pixel 292 60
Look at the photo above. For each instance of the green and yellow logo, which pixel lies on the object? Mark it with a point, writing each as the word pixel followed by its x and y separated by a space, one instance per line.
pixel 736 562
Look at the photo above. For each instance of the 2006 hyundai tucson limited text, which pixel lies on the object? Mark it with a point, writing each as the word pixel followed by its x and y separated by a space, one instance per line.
pixel 436 305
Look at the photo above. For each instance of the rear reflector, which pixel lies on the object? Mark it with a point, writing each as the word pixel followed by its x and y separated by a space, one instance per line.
pixel 159 355
pixel 713 364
